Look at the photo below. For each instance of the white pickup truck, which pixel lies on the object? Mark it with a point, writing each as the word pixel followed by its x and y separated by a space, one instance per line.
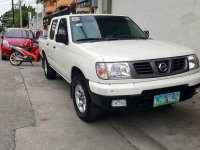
pixel 111 64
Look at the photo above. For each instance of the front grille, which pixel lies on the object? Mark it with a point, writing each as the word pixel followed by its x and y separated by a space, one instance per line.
pixel 143 68
pixel 166 62
pixel 178 64
pixel 159 67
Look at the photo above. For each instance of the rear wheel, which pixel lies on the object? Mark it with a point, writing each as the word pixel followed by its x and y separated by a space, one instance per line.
pixel 49 72
pixel 16 59
pixel 85 108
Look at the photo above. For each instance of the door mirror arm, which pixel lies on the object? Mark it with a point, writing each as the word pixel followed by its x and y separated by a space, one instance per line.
pixel 147 33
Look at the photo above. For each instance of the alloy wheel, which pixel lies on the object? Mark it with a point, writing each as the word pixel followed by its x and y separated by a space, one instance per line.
pixel 45 66
pixel 14 57
pixel 80 98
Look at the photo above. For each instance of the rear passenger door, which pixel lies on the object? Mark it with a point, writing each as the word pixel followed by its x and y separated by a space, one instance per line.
pixel 50 44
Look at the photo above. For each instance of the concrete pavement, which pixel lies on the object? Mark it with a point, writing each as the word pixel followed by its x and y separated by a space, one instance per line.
pixel 15 108
pixel 46 119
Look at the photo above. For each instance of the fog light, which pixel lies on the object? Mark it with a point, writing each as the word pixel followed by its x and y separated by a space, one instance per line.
pixel 197 90
pixel 118 103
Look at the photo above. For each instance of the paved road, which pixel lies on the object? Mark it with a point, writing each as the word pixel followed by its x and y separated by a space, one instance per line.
pixel 15 107
pixel 38 114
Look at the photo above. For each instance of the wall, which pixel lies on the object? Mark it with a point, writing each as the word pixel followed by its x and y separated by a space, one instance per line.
pixel 175 21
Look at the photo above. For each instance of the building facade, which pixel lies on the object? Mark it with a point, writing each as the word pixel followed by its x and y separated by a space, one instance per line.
pixel 174 21
pixel 51 6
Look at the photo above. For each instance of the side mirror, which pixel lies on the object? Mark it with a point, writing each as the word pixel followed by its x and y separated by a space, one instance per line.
pixel 62 38
pixel 147 33
pixel 35 41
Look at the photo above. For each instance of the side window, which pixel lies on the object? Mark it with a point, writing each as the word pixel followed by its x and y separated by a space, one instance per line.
pixel 53 29
pixel 62 28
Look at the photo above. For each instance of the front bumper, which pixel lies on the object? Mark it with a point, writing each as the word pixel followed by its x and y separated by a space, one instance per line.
pixel 143 100
pixel 138 88
pixel 142 94
pixel 5 52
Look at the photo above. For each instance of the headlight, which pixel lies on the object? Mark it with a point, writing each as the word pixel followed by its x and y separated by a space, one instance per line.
pixel 5 43
pixel 113 70
pixel 193 62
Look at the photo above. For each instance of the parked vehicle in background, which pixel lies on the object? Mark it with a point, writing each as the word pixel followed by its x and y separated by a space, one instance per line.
pixel 20 55
pixel 111 64
pixel 2 33
pixel 20 37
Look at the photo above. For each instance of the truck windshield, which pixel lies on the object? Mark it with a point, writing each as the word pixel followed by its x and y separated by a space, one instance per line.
pixel 101 28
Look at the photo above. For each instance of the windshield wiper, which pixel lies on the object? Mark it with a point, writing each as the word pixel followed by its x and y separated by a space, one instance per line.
pixel 130 37
pixel 110 39
pixel 120 37
pixel 90 39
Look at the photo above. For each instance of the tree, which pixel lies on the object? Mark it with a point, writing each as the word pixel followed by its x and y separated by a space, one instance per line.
pixel 25 19
pixel 39 1
pixel 7 17
pixel 1 28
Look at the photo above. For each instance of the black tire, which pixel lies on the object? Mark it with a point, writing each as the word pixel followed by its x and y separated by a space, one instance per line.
pixel 3 58
pixel 43 62
pixel 49 72
pixel 92 112
pixel 13 59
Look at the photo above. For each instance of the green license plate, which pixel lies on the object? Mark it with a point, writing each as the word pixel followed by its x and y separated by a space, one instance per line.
pixel 164 99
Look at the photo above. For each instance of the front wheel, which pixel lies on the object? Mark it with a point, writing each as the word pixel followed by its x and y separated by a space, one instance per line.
pixel 85 108
pixel 16 59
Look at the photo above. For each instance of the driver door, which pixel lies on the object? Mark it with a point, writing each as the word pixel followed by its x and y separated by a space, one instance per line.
pixel 61 51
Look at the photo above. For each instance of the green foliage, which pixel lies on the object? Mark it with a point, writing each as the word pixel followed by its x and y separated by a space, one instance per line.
pixel 7 20
pixel 39 1
pixel 1 28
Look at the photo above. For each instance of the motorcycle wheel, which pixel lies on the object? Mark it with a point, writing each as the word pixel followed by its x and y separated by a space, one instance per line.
pixel 14 59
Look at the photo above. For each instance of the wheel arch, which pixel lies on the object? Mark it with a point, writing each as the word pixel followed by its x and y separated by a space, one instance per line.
pixel 92 111
pixel 74 71
pixel 43 53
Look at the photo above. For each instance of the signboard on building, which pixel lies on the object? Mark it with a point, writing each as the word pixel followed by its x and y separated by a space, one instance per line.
pixel 94 3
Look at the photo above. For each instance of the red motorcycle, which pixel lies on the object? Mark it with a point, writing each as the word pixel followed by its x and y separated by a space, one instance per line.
pixel 20 55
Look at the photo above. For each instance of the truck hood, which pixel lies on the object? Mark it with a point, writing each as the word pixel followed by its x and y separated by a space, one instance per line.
pixel 129 50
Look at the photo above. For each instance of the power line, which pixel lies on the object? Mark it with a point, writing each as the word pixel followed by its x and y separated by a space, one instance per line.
pixel 7 2
pixel 4 5
pixel 3 1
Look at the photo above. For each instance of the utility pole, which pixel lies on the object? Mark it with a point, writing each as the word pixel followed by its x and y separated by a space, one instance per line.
pixel 37 17
pixel 13 13
pixel 20 11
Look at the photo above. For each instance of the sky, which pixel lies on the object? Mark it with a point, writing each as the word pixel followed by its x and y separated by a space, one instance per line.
pixel 5 5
